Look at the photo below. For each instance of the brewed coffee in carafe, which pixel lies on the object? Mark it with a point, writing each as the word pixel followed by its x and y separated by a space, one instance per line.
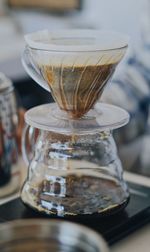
pixel 75 168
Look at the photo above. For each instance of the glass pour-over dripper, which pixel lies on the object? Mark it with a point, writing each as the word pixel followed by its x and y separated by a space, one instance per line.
pixel 74 168
pixel 74 65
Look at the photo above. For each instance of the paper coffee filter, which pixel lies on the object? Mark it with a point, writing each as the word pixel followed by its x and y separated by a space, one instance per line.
pixel 76 40
pixel 76 47
pixel 80 59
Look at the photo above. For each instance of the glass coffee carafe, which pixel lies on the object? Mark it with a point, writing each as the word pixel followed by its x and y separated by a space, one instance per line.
pixel 74 168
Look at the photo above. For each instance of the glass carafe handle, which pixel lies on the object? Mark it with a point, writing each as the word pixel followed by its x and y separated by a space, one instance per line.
pixel 28 143
pixel 32 70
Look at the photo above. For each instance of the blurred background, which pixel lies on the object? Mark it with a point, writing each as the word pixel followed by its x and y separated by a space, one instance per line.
pixel 131 84
pixel 18 17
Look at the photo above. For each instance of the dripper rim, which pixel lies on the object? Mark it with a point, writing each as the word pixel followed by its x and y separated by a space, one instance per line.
pixel 32 40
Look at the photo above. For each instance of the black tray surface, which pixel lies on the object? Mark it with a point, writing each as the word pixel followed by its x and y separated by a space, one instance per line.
pixel 112 227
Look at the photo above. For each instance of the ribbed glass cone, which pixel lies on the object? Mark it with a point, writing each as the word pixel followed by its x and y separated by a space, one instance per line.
pixel 76 66
pixel 77 88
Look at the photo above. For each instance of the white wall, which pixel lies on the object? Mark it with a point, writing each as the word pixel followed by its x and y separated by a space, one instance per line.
pixel 119 15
